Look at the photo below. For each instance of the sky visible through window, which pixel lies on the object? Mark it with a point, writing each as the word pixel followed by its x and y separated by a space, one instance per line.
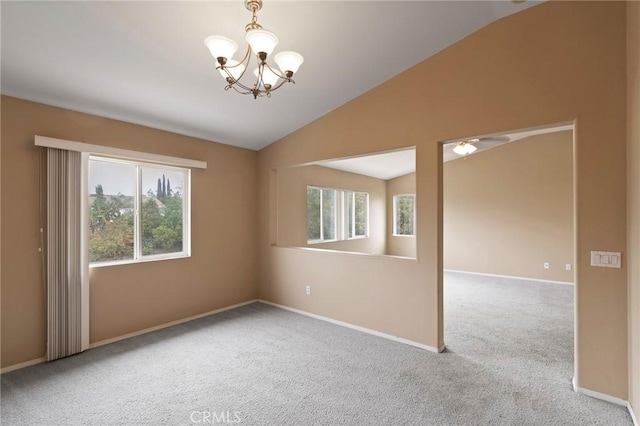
pixel 120 178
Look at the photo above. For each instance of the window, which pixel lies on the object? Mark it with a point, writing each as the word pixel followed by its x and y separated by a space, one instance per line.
pixel 404 213
pixel 321 214
pixel 334 214
pixel 358 214
pixel 137 211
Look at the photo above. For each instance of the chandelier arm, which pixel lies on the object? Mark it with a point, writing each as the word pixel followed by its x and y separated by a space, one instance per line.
pixel 234 87
pixel 242 62
pixel 246 57
pixel 278 73
pixel 245 60
pixel 236 83
pixel 231 80
pixel 260 80
pixel 279 85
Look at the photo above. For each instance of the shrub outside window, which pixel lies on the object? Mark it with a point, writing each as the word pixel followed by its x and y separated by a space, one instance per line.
pixel 137 211
pixel 336 214
pixel 358 214
pixel 321 214
pixel 404 212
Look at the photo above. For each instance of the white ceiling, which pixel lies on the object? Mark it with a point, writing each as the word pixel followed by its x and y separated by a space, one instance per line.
pixel 385 166
pixel 145 62
pixel 389 165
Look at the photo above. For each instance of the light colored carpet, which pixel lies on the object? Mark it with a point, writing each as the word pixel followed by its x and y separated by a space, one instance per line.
pixel 509 362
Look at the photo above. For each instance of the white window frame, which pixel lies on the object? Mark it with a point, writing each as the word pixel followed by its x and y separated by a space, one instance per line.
pixel 337 208
pixel 395 217
pixel 342 223
pixel 351 225
pixel 138 256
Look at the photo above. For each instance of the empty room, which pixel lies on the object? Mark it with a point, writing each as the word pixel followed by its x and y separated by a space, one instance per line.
pixel 508 254
pixel 238 212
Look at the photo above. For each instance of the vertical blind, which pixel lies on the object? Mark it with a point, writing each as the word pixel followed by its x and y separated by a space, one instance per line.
pixel 67 271
pixel 64 265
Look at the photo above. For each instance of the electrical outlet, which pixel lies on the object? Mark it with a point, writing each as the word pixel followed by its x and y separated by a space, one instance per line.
pixel 567 266
pixel 308 290
pixel 546 265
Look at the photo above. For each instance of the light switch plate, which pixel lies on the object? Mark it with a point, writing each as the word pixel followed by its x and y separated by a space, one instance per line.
pixel 606 259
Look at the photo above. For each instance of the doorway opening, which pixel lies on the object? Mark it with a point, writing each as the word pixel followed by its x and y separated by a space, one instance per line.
pixel 509 252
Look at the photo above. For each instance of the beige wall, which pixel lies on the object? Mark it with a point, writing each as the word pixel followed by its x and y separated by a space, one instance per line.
pixel 126 298
pixel 399 245
pixel 553 63
pixel 292 207
pixel 508 210
pixel 633 257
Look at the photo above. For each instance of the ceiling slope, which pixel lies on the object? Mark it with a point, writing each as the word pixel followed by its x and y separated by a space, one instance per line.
pixel 146 63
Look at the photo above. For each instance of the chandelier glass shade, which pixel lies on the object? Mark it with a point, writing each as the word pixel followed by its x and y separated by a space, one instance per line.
pixel 465 147
pixel 260 44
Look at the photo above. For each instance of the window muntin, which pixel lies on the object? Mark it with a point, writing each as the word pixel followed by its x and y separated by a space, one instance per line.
pixel 404 213
pixel 335 214
pixel 321 214
pixel 137 211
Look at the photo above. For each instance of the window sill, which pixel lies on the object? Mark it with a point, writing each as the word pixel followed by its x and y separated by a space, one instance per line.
pixel 322 241
pixel 143 260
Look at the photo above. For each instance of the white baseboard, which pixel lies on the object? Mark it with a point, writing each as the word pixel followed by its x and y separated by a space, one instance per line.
pixel 509 276
pixel 357 327
pixel 129 335
pixel 22 365
pixel 169 324
pixel 633 415
pixel 599 395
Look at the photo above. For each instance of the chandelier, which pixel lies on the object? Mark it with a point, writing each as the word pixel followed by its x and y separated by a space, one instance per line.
pixel 466 147
pixel 261 44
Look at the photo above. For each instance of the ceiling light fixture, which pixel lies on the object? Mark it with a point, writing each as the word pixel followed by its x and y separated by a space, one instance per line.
pixel 466 147
pixel 261 43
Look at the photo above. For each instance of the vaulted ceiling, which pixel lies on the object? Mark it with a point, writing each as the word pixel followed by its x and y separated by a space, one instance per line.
pixel 145 62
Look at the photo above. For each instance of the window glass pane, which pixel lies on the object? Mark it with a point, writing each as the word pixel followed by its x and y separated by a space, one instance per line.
pixel 361 206
pixel 328 214
pixel 112 189
pixel 313 214
pixel 404 214
pixel 162 215
pixel 350 206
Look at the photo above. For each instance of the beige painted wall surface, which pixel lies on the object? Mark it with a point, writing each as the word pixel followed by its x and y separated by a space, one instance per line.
pixel 633 258
pixel 509 209
pixel 552 63
pixel 127 298
pixel 292 207
pixel 399 245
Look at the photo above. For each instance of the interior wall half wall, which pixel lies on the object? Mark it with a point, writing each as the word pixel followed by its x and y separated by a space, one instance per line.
pixel 555 62
pixel 508 210
pixel 292 207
